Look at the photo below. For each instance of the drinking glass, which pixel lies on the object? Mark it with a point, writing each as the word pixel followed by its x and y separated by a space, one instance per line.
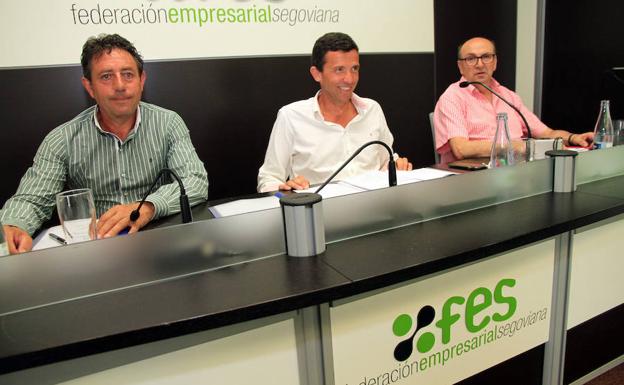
pixel 618 132
pixel 76 212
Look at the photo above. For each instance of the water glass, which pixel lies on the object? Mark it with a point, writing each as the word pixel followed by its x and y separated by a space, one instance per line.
pixel 618 132
pixel 76 212
pixel 529 150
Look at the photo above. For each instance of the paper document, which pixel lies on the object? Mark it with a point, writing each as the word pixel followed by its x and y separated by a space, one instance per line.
pixel 374 180
pixel 577 149
pixel 368 181
pixel 335 189
pixel 242 206
pixel 43 240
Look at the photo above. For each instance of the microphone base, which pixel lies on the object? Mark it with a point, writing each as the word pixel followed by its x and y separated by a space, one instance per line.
pixel 185 209
pixel 304 229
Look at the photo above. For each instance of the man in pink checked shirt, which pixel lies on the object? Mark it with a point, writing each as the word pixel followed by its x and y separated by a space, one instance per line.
pixel 465 118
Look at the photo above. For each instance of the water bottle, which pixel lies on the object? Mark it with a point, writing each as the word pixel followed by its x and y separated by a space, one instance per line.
pixel 4 247
pixel 502 153
pixel 603 132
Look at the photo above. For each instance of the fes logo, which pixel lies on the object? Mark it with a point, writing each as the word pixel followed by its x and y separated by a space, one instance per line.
pixel 403 324
pixel 475 311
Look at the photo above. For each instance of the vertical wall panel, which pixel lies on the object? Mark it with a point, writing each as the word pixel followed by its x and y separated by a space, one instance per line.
pixel 583 42
pixel 457 21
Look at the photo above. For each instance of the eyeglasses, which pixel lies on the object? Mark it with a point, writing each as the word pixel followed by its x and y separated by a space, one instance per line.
pixel 485 59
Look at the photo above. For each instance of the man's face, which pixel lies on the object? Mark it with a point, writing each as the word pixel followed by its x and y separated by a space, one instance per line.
pixel 340 75
pixel 115 84
pixel 480 72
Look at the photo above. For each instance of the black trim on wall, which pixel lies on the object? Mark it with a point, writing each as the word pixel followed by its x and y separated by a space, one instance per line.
pixel 229 106
pixel 523 369
pixel 458 20
pixel 593 344
pixel 32 102
pixel 583 40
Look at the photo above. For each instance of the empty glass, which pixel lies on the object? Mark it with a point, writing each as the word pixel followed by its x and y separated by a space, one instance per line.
pixel 618 132
pixel 76 212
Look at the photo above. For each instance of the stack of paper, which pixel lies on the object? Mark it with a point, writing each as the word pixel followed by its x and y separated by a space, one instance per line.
pixel 368 181
pixel 242 206
pixel 374 180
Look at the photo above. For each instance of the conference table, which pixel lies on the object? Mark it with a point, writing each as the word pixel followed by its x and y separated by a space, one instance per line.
pixel 488 276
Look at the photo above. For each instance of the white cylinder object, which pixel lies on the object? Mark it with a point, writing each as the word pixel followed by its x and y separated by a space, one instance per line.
pixel 303 224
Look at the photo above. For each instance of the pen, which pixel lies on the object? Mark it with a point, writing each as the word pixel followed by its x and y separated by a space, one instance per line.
pixel 58 239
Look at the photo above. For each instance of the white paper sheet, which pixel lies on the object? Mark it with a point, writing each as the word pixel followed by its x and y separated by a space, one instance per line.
pixel 43 240
pixel 242 206
pixel 369 181
pixel 334 190
pixel 374 180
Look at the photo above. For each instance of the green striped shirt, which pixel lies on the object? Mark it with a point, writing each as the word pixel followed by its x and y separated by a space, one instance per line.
pixel 79 154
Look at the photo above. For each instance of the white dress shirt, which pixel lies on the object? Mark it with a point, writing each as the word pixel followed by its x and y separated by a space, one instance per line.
pixel 303 143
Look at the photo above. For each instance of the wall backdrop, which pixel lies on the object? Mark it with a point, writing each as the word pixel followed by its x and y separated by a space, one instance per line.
pixel 583 44
pixel 226 66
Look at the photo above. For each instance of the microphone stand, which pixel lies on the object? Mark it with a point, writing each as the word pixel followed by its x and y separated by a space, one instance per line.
pixel 185 207
pixel 392 179
pixel 465 84
pixel 304 230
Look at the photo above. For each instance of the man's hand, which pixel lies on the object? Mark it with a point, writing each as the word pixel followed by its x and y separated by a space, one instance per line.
pixel 17 239
pixel 519 147
pixel 299 183
pixel 403 164
pixel 582 140
pixel 117 218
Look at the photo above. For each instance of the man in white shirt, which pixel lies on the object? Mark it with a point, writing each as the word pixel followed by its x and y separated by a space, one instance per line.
pixel 312 138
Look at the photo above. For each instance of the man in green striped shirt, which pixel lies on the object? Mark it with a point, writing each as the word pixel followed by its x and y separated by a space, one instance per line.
pixel 116 148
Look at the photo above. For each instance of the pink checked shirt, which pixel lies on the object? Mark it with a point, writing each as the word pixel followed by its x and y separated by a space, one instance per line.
pixel 466 113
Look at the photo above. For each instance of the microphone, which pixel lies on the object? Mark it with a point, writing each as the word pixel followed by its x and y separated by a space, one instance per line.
pixel 185 207
pixel 613 73
pixel 392 178
pixel 465 84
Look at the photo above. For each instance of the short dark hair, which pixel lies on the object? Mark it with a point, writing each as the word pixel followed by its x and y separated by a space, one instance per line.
pixel 480 37
pixel 332 41
pixel 95 46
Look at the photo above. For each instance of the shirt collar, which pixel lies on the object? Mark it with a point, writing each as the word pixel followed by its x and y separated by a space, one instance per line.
pixel 132 132
pixel 495 85
pixel 361 106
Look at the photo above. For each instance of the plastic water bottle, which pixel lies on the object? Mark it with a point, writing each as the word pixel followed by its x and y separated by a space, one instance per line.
pixel 502 153
pixel 603 132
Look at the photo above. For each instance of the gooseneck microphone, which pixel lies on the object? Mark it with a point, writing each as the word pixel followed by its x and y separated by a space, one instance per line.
pixel 465 84
pixel 392 178
pixel 613 73
pixel 185 207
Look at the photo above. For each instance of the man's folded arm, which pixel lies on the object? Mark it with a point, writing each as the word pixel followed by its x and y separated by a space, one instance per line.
pixel 450 129
pixel 35 198
pixel 183 159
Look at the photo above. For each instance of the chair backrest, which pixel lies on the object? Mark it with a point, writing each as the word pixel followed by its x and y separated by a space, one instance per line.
pixel 436 156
